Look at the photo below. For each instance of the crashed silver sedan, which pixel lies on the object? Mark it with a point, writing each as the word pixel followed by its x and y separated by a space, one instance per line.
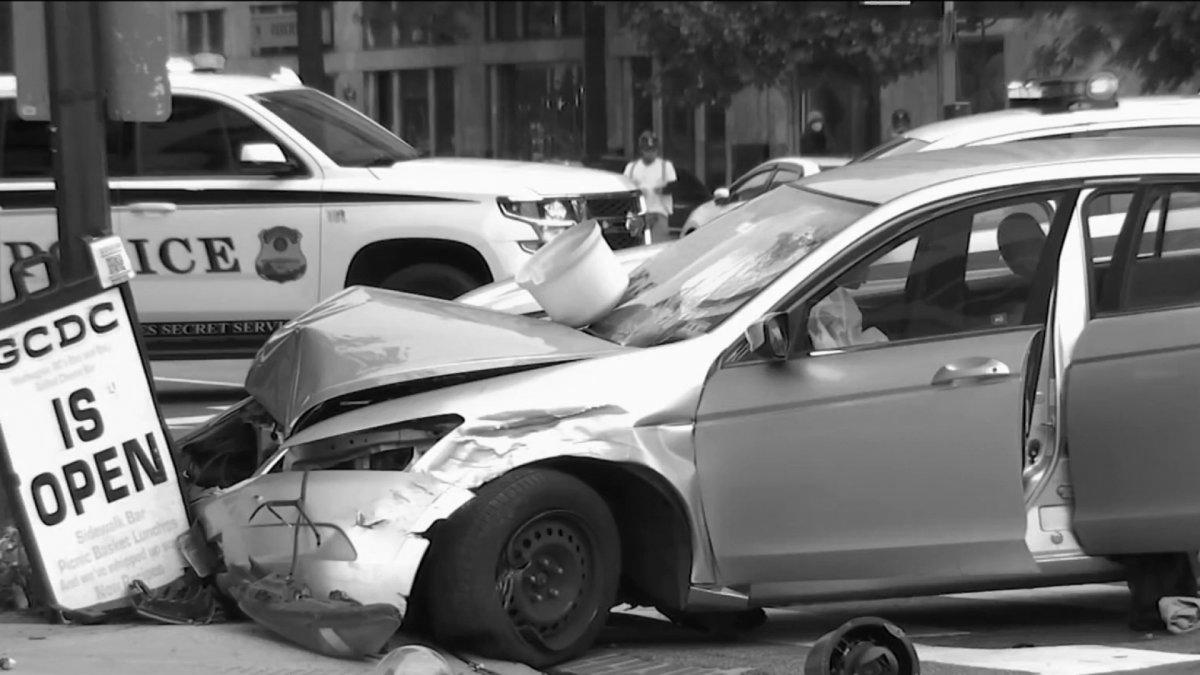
pixel 950 371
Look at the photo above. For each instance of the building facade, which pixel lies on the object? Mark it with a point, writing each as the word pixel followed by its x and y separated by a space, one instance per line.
pixel 507 79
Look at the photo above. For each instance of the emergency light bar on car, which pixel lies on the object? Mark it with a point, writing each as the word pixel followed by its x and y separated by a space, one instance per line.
pixel 1060 95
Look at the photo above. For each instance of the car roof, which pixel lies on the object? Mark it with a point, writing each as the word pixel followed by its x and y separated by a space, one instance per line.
pixel 962 130
pixel 237 85
pixel 882 180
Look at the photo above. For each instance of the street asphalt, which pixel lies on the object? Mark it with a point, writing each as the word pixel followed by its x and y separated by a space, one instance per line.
pixel 1058 631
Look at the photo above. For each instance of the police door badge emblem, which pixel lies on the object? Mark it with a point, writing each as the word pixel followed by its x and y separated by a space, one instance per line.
pixel 280 258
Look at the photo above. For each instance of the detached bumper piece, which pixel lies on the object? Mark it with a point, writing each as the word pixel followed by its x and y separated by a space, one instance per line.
pixel 338 627
pixel 186 601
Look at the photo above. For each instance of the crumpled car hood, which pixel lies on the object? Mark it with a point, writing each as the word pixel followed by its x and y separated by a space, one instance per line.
pixel 364 338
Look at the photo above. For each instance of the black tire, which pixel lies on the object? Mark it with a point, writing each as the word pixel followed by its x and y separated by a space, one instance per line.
pixel 526 571
pixel 436 280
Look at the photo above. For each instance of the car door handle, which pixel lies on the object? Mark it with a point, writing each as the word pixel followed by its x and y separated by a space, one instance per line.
pixel 152 207
pixel 971 369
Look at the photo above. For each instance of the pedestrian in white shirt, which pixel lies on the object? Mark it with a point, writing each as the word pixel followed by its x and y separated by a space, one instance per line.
pixel 656 178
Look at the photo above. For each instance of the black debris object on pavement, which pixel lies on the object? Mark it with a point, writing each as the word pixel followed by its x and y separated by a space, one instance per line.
pixel 863 646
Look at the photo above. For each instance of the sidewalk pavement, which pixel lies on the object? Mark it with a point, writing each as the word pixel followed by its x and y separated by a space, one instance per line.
pixel 152 649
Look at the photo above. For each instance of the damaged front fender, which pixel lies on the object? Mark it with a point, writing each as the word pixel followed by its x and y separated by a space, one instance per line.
pixel 353 534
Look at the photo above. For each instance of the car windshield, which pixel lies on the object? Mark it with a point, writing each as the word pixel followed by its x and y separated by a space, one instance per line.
pixel 901 145
pixel 344 135
pixel 696 283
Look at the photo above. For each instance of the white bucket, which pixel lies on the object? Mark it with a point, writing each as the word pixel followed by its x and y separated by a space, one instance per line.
pixel 575 278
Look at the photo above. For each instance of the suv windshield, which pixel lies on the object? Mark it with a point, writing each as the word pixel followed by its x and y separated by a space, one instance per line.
pixel 697 282
pixel 344 135
pixel 901 145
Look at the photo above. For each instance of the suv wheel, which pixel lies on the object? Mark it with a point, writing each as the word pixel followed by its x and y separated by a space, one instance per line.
pixel 436 280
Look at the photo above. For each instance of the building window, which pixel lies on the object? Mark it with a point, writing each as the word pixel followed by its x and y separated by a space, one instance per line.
pixel 6 37
pixel 535 20
pixel 202 31
pixel 403 24
pixel 273 28
pixel 418 106
pixel 539 111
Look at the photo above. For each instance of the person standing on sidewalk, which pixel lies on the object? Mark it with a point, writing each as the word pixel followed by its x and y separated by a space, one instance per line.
pixel 655 177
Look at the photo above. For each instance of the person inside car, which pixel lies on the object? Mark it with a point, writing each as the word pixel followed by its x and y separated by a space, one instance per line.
pixel 1020 239
pixel 835 322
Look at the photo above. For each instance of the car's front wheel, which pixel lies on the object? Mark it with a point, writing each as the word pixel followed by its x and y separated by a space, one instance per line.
pixel 526 571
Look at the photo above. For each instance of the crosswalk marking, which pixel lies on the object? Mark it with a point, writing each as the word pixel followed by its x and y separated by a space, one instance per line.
pixel 1064 660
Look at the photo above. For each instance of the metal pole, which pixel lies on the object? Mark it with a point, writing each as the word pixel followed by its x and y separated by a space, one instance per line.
pixel 77 114
pixel 948 58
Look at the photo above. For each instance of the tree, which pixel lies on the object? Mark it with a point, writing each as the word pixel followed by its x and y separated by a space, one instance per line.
pixel 709 51
pixel 1158 40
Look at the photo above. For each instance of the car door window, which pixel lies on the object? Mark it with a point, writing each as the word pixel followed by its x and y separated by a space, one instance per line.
pixel 24 145
pixel 752 186
pixel 1166 269
pixel 785 175
pixel 969 270
pixel 201 137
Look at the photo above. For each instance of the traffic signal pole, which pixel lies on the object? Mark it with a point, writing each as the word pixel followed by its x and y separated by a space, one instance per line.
pixel 77 111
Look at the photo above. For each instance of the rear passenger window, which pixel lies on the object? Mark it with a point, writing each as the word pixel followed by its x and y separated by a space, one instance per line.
pixel 1166 270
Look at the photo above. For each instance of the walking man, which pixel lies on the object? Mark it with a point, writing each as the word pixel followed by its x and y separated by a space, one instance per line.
pixel 656 178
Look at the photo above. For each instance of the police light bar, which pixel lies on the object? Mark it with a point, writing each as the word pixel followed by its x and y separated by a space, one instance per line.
pixel 1058 95
pixel 208 63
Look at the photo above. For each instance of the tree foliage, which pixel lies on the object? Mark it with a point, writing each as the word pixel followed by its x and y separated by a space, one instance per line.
pixel 708 51
pixel 1158 40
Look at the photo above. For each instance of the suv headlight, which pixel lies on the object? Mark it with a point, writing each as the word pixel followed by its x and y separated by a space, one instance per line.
pixel 548 218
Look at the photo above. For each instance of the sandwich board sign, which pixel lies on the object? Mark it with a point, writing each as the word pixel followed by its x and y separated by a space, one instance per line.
pixel 86 461
pixel 87 452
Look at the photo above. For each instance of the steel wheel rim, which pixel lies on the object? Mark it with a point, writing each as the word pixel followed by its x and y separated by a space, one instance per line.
pixel 545 578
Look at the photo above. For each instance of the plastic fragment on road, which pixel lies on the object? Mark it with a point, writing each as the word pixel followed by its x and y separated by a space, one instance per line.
pixel 1180 613
pixel 186 601
pixel 338 627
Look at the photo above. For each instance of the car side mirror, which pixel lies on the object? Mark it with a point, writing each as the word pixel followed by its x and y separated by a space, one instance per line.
pixel 769 337
pixel 265 158
pixel 721 195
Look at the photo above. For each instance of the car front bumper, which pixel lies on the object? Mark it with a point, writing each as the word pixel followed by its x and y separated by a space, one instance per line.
pixel 354 534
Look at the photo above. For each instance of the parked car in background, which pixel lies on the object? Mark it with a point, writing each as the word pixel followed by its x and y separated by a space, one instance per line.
pixel 259 196
pixel 1055 109
pixel 762 178
pixel 862 384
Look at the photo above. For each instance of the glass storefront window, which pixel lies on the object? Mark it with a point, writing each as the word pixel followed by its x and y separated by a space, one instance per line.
pixel 417 105
pixel 273 28
pixel 443 114
pixel 535 19
pixel 539 111
pixel 414 109
pixel 402 23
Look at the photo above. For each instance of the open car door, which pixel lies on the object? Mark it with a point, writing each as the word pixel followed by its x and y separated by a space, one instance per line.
pixel 1132 410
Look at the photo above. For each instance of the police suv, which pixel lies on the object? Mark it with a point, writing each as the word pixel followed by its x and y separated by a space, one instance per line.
pixel 259 197
pixel 1052 109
